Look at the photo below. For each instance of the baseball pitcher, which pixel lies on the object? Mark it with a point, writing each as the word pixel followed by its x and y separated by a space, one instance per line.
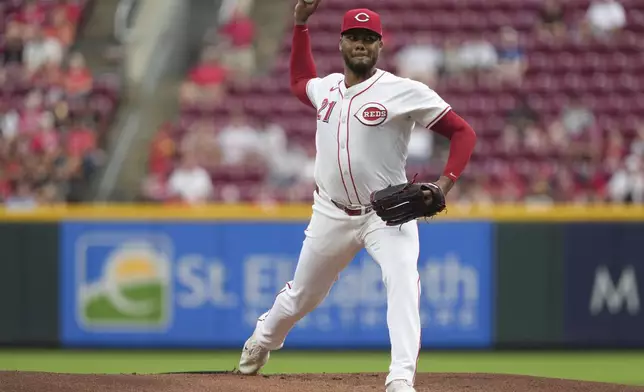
pixel 363 198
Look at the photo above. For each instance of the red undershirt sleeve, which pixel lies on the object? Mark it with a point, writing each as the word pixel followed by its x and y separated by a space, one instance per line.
pixel 302 65
pixel 462 142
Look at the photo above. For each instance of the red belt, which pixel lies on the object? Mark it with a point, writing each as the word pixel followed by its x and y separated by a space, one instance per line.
pixel 352 211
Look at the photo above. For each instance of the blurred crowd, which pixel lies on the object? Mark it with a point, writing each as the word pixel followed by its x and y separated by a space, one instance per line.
pixel 553 88
pixel 534 149
pixel 502 58
pixel 52 109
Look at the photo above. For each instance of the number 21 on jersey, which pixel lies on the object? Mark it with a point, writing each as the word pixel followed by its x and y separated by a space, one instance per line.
pixel 326 107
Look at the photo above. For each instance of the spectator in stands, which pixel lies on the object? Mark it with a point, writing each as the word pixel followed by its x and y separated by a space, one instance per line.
pixel 274 139
pixel 284 169
pixel 78 78
pixel 162 151
pixel 538 192
pixel 60 108
pixel 296 176
pixel 478 55
pixel 420 60
pixel 53 74
pixel 239 140
pixel 32 14
pixel 154 188
pixel 275 151
pixel 615 148
pixel 50 78
pixel 510 143
pixel 552 24
pixel 574 133
pixel 205 83
pixel 40 50
pixel 190 182
pixel 535 140
pixel 452 64
pixel 41 162
pixel 5 184
pixel 9 120
pixel 559 138
pixel 238 35
pixel 564 187
pixel 201 142
pixel 22 197
pixel 13 43
pixel 39 172
pixel 230 7
pixel 512 61
pixel 576 117
pixel 627 184
pixel 604 18
pixel 307 174
pixel 32 115
pixel 48 194
pixel 61 28
pixel 637 146
pixel 75 179
pixel 597 182
pixel 301 164
pixel 47 139
pixel 80 140
pixel 72 10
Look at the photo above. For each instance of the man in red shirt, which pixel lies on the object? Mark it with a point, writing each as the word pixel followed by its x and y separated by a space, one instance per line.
pixel 239 53
pixel 205 84
pixel 80 141
pixel 32 14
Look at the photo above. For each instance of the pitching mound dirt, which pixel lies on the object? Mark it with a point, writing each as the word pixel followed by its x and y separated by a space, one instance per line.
pixel 228 382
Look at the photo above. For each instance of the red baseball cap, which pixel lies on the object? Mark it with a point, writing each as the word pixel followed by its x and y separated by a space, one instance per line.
pixel 362 18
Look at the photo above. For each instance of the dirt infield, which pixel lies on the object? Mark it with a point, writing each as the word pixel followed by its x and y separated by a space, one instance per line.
pixel 228 382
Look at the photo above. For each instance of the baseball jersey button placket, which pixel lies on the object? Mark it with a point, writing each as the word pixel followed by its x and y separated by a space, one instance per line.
pixel 342 164
pixel 343 155
pixel 347 125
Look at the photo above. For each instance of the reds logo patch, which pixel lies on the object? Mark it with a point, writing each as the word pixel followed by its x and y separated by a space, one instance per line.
pixel 371 114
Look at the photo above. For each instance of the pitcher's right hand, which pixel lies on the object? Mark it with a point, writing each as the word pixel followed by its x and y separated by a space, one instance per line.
pixel 304 10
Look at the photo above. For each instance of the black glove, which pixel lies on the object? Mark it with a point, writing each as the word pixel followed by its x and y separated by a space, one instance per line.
pixel 398 204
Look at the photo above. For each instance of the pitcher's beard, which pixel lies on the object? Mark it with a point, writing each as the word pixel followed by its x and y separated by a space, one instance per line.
pixel 361 69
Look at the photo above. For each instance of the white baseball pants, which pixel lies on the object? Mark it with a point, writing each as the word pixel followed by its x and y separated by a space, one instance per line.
pixel 332 240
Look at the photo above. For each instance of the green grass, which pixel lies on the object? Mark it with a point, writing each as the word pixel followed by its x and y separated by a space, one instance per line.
pixel 621 367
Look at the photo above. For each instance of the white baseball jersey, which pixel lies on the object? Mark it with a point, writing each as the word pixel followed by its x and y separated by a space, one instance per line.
pixel 363 131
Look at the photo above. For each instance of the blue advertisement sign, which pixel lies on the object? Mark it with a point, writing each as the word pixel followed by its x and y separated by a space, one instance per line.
pixel 603 284
pixel 169 284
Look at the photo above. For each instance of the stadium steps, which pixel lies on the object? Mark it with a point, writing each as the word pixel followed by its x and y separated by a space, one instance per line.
pixel 162 104
pixel 272 18
pixel 153 114
pixel 96 36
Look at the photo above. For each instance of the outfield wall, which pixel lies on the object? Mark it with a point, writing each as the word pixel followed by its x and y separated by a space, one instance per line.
pixel 185 277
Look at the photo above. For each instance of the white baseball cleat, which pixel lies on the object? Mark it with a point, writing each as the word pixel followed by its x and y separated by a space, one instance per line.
pixel 400 386
pixel 253 357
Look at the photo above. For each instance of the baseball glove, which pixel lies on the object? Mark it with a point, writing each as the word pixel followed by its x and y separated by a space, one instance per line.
pixel 398 204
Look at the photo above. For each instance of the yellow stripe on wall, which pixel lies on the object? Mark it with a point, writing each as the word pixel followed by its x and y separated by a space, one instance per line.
pixel 302 212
